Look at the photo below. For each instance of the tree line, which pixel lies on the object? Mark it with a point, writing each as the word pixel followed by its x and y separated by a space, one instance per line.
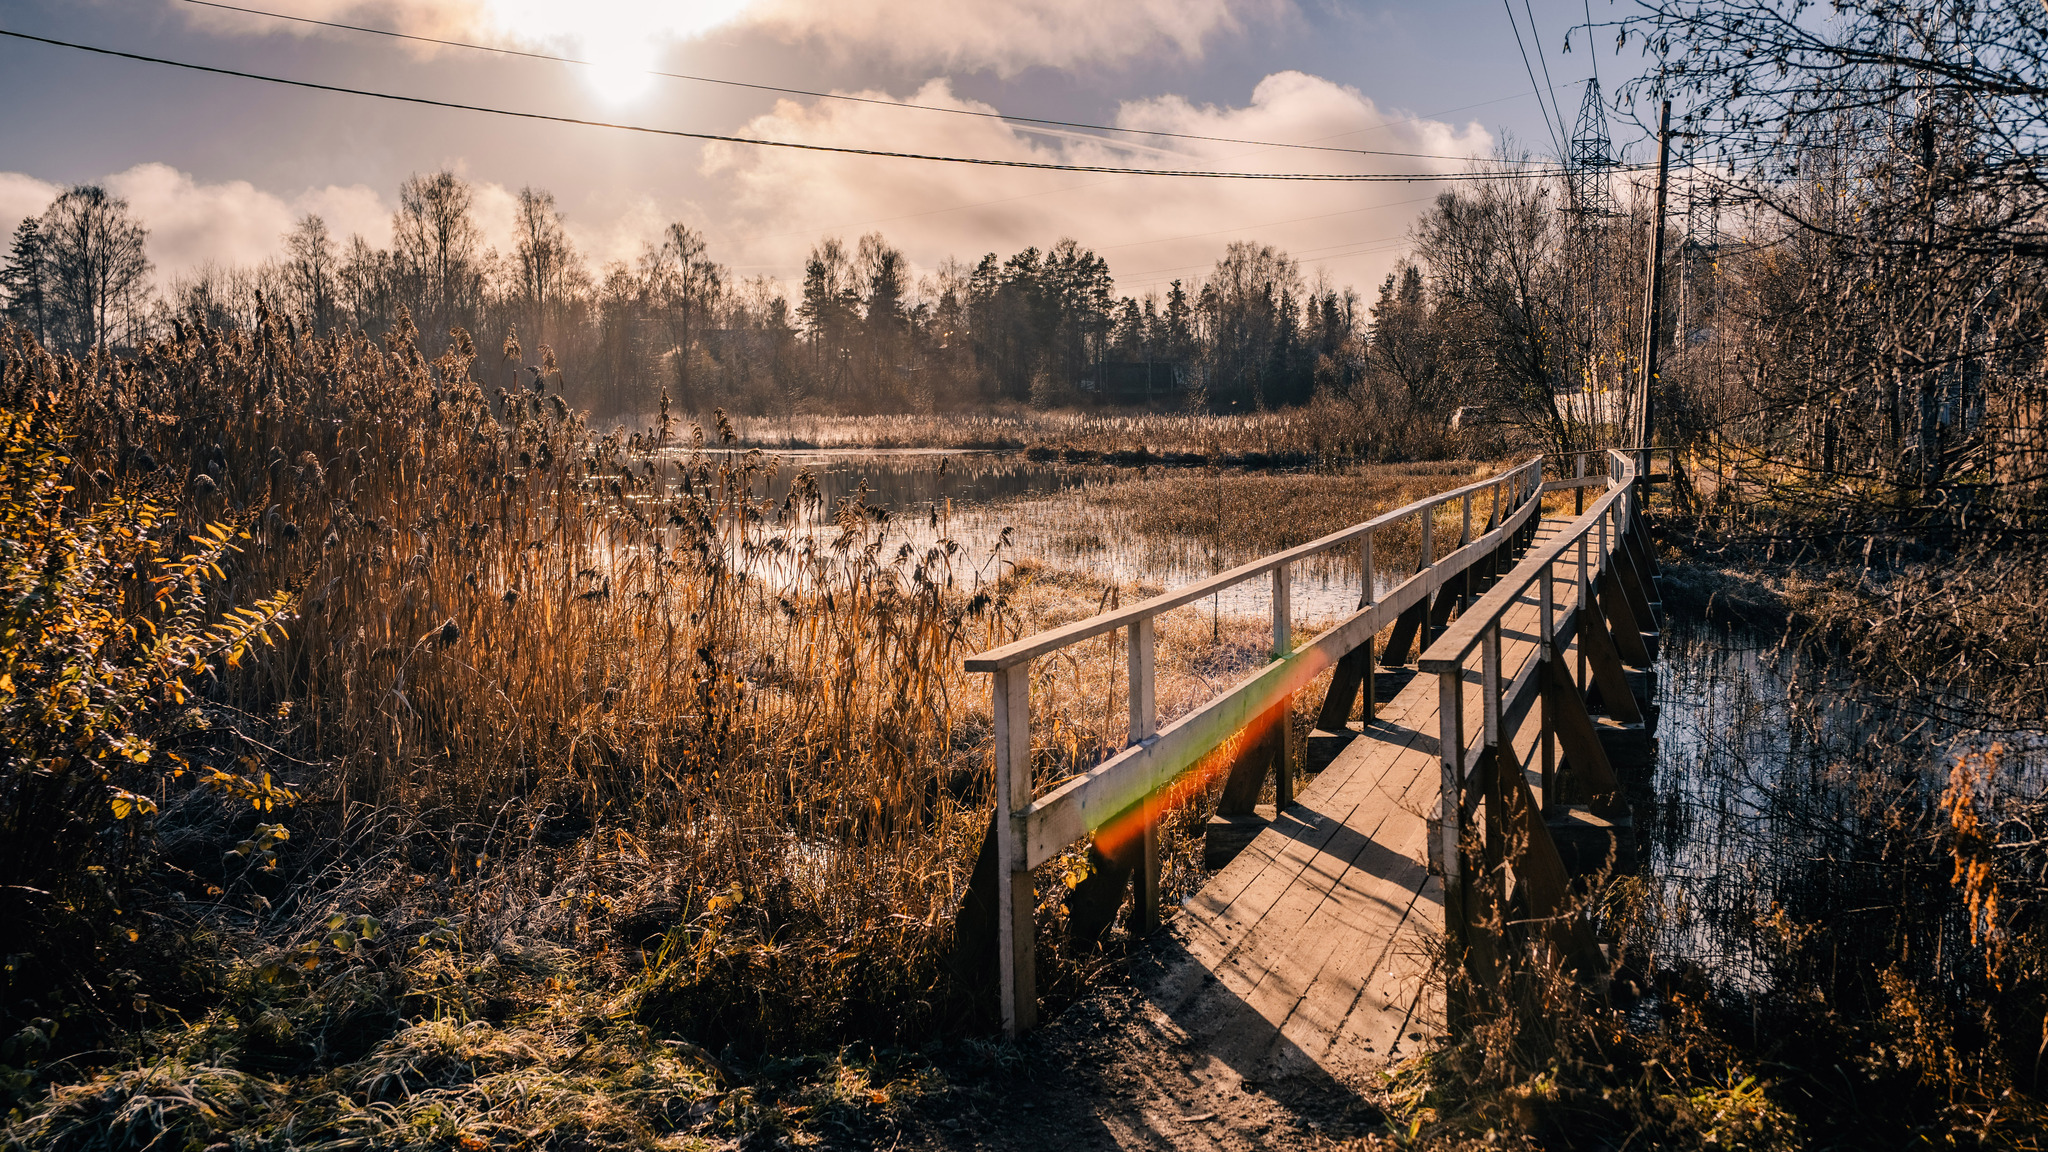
pixel 861 333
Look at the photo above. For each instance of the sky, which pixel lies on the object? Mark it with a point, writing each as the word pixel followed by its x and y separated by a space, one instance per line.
pixel 217 168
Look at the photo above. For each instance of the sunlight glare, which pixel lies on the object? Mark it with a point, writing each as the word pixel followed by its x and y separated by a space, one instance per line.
pixel 622 39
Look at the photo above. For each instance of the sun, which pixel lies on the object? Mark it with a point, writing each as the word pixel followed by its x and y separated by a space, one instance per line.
pixel 622 40
pixel 621 71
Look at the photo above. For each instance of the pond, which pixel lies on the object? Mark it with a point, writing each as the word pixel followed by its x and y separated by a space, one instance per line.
pixel 980 499
pixel 1784 796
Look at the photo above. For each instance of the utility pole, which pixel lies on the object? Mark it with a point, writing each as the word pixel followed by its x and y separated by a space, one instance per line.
pixel 1652 319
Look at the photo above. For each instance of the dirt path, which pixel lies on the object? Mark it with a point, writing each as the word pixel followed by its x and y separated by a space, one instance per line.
pixel 1116 1071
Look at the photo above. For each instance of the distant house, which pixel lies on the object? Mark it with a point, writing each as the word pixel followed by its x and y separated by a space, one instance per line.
pixel 1470 416
pixel 1136 381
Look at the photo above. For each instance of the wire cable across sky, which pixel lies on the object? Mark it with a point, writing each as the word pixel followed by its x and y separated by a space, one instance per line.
pixel 1007 117
pixel 1501 173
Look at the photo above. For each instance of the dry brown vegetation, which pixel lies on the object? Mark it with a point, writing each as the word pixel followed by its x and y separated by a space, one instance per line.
pixel 1326 430
pixel 600 773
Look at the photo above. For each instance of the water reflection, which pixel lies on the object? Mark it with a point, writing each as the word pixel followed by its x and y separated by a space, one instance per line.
pixel 982 498
pixel 1772 798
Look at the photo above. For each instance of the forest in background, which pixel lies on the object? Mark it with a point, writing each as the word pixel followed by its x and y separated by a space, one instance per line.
pixel 1514 306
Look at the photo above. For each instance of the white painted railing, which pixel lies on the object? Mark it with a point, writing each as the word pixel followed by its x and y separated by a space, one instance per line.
pixel 1031 829
pixel 1601 537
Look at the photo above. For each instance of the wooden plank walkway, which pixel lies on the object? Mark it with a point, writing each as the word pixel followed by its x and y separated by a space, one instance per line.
pixel 1311 952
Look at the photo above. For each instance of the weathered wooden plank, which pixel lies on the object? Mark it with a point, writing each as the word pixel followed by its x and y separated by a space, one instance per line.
pixel 1342 991
pixel 1360 916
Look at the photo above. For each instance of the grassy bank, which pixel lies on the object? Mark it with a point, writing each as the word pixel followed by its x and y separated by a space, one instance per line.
pixel 1326 431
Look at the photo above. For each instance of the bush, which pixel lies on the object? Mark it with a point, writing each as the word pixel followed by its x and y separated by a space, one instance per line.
pixel 104 631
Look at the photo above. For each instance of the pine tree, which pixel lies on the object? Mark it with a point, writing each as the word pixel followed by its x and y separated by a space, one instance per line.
pixel 22 280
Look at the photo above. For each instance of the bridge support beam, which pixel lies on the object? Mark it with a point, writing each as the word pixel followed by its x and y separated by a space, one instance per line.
pixel 1352 673
pixel 1267 746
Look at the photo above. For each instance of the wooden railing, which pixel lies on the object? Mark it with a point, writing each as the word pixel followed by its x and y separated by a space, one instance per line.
pixel 1608 610
pixel 1031 829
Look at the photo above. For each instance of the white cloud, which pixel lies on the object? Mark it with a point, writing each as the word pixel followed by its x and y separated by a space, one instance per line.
pixel 1152 229
pixel 191 223
pixel 1007 37
pixel 626 36
pixel 23 196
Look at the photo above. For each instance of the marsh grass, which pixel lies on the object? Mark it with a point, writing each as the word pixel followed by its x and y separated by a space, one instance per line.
pixel 600 755
pixel 1330 429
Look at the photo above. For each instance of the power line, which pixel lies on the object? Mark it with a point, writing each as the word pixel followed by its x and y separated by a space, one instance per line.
pixel 1544 59
pixel 1556 138
pixel 1047 166
pixel 961 207
pixel 1003 116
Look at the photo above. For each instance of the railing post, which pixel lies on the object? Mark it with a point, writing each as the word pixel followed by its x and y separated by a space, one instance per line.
pixel 1465 579
pixel 1489 704
pixel 1579 494
pixel 1283 647
pixel 1016 950
pixel 1546 597
pixel 1489 682
pixel 1144 723
pixel 1283 614
pixel 1451 743
pixel 1428 516
pixel 1366 600
pixel 1144 701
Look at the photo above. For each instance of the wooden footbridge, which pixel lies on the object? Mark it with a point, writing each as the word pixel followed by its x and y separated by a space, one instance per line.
pixel 1437 837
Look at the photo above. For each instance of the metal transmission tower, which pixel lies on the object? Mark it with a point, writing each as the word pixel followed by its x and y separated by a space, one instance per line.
pixel 1589 159
pixel 1589 396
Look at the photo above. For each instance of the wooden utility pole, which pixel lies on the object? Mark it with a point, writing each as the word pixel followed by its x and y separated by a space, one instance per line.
pixel 1652 317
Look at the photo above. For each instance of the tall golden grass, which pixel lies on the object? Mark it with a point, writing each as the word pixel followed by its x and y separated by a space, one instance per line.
pixel 584 680
pixel 1330 428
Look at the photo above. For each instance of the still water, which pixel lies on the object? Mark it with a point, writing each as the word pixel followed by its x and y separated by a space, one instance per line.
pixel 1004 509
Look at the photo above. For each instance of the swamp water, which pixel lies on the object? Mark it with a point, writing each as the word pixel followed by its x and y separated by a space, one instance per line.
pixel 1783 806
pixel 1003 509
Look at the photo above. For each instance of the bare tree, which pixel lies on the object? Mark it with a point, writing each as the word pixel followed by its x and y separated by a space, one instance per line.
pixel 1493 267
pixel 547 264
pixel 1887 163
pixel 94 253
pixel 310 271
pixel 683 286
pixel 435 249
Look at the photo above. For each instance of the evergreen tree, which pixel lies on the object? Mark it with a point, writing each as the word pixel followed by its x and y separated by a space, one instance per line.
pixel 22 280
